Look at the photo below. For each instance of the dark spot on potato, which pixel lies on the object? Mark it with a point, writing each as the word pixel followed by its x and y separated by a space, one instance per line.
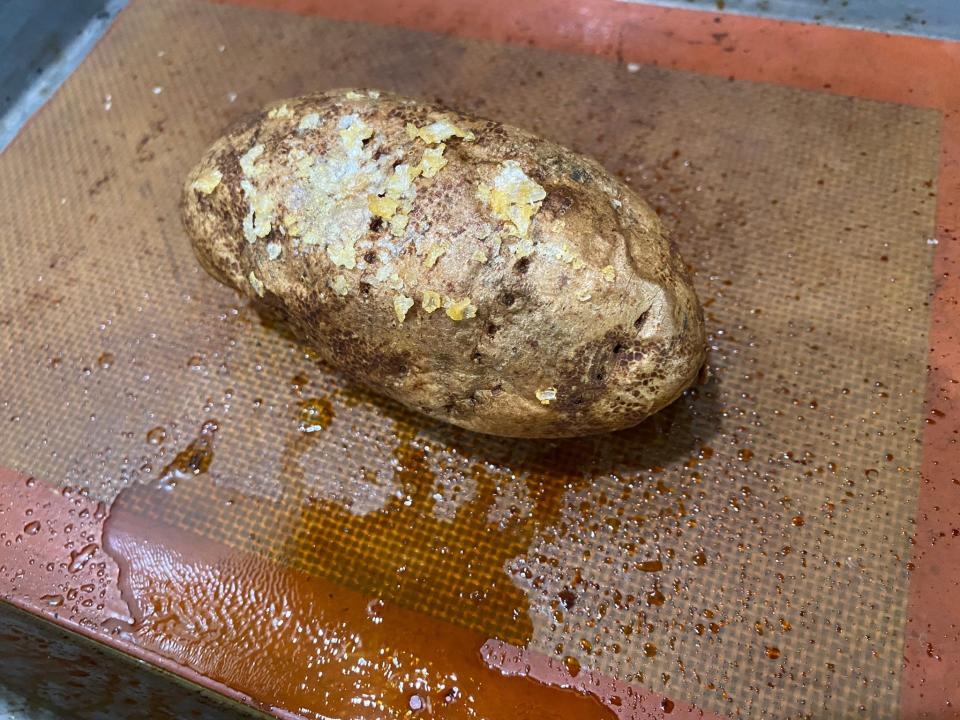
pixel 376 224
pixel 245 123
pixel 496 390
pixel 364 288
pixel 641 321
pixel 370 256
pixel 492 329
pixel 521 266
pixel 618 348
pixel 507 299
pixel 477 357
pixel 578 175
pixel 558 201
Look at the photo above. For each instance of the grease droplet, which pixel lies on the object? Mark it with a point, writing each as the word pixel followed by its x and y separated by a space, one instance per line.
pixel 572 665
pixel 315 414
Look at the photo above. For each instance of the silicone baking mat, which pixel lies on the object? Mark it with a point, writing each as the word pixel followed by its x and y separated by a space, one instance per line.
pixel 747 549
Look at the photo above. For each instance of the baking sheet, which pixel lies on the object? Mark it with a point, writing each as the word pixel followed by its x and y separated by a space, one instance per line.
pixel 745 549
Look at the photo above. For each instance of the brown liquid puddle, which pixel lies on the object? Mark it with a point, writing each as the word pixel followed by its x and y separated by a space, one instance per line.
pixel 359 633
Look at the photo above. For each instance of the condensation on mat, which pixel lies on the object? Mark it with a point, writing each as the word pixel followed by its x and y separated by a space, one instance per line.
pixel 745 549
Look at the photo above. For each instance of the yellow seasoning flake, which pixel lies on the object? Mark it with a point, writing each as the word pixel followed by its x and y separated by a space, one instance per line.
pixel 522 248
pixel 513 197
pixel 433 255
pixel 255 283
pixel 353 131
pixel 292 225
pixel 401 304
pixel 398 224
pixel 459 309
pixel 430 301
pixel 432 161
pixel 480 256
pixel 249 158
pixel 437 131
pixel 282 112
pixel 340 285
pixel 262 207
pixel 400 184
pixel 208 181
pixel 584 296
pixel 382 207
pixel 546 395
pixel 609 273
pixel 343 254
pixel 309 121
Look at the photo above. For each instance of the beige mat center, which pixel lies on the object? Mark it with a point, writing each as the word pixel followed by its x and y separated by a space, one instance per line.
pixel 745 549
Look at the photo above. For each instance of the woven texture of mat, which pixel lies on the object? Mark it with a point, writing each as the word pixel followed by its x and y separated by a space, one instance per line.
pixel 745 549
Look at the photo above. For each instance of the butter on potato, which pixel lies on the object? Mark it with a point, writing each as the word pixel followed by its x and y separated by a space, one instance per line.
pixel 356 215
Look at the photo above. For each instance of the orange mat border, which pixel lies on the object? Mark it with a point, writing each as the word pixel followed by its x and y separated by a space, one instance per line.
pixel 893 68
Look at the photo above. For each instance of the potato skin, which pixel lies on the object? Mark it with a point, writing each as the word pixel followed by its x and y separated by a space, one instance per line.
pixel 354 214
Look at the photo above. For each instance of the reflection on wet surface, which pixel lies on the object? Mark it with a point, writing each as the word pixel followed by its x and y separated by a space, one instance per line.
pixel 306 645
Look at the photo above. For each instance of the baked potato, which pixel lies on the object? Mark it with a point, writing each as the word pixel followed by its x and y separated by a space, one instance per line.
pixel 468 269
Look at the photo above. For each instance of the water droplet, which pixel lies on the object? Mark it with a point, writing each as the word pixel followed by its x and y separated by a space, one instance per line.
pixel 32 528
pixel 52 600
pixel 773 652
pixel 80 558
pixel 106 360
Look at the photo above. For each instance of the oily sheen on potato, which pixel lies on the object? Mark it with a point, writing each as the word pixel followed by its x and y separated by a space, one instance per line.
pixel 466 268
